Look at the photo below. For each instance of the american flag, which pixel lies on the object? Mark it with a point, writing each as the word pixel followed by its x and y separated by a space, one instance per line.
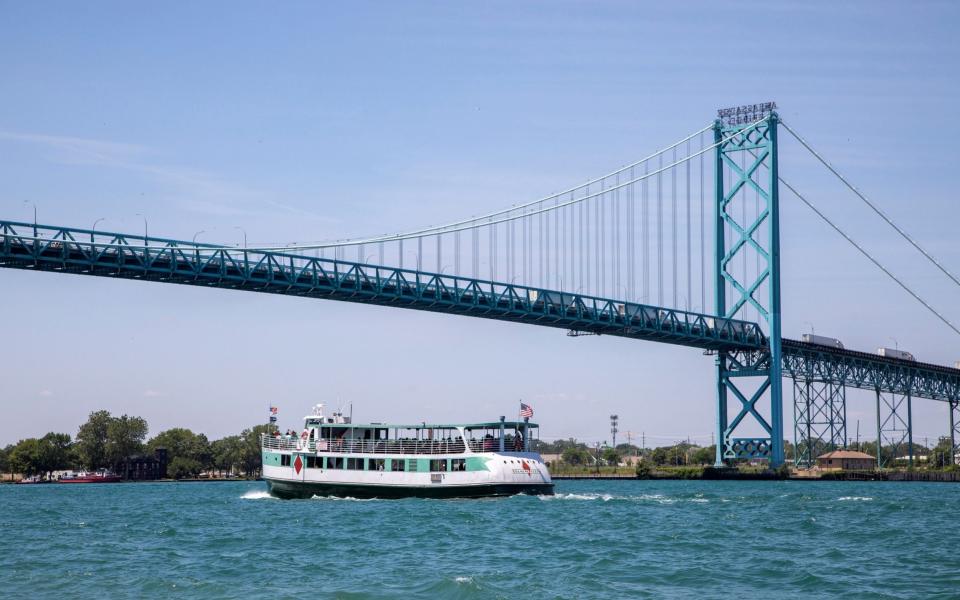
pixel 526 411
pixel 273 410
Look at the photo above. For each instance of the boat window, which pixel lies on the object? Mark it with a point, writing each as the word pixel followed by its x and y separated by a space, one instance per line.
pixel 398 464
pixel 458 464
pixel 438 464
pixel 413 464
pixel 284 460
pixel 334 462
pixel 355 464
pixel 376 464
pixel 312 462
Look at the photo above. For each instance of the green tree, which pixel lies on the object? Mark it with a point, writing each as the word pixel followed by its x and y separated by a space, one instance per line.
pixel 611 456
pixel 941 454
pixel 5 461
pixel 92 440
pixel 704 456
pixel 125 437
pixel 659 456
pixel 41 456
pixel 56 452
pixel 188 452
pixel 576 456
pixel 251 452
pixel 27 457
pixel 227 453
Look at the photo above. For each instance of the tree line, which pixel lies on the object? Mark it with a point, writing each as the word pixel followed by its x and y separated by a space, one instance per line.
pixel 108 442
pixel 578 454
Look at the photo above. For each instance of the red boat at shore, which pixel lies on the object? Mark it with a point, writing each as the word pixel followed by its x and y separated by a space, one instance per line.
pixel 101 476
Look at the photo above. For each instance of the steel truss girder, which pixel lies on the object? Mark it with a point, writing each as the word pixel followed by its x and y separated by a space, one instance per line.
pixel 819 417
pixel 869 371
pixel 760 142
pixel 894 426
pixel 26 246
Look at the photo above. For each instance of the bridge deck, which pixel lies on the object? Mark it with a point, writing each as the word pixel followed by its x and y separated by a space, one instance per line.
pixel 105 254
pixel 66 250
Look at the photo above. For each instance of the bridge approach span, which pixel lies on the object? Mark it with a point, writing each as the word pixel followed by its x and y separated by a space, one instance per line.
pixel 65 250
pixel 116 255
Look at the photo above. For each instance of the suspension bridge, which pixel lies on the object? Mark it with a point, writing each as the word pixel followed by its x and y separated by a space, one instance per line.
pixel 637 253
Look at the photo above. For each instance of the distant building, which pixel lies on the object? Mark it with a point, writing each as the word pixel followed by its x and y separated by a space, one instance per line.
pixel 848 460
pixel 144 467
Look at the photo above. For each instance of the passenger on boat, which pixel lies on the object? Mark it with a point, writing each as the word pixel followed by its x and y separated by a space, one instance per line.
pixel 517 441
pixel 488 443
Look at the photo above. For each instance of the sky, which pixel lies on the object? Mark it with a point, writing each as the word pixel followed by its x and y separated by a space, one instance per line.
pixel 308 121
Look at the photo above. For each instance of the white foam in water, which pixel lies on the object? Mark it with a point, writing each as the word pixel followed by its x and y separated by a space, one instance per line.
pixel 604 497
pixel 463 579
pixel 256 495
pixel 342 498
pixel 856 498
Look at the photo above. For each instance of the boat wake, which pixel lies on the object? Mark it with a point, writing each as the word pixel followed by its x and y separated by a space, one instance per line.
pixel 343 498
pixel 656 498
pixel 257 495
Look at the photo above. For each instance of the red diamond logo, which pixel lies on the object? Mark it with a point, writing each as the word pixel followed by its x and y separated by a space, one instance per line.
pixel 298 464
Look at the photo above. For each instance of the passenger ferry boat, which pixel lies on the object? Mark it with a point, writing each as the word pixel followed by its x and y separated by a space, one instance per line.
pixel 334 457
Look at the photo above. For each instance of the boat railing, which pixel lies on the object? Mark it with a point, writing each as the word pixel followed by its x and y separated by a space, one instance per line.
pixel 401 446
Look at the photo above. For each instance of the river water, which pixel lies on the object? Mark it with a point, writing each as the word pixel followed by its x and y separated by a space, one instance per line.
pixel 594 539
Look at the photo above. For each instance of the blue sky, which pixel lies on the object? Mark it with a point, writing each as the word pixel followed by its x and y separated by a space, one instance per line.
pixel 308 121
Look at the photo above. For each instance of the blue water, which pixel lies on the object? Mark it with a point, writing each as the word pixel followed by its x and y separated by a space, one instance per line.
pixel 595 539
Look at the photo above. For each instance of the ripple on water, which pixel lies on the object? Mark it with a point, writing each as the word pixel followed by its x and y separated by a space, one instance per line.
pixel 594 539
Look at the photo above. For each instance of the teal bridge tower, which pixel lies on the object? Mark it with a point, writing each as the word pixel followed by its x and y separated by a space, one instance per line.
pixel 746 147
pixel 680 247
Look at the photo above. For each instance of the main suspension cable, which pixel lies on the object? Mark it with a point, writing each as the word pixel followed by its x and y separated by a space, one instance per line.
pixel 873 206
pixel 869 256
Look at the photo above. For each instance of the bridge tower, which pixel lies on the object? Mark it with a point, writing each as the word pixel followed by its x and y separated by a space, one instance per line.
pixel 746 171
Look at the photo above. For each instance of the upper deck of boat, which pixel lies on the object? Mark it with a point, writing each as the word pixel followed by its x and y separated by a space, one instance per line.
pixel 316 421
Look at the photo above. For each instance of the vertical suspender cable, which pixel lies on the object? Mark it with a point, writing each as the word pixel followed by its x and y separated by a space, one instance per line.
pixel 703 249
pixel 596 242
pixel 660 234
pixel 689 249
pixel 673 237
pixel 456 252
pixel 587 281
pixel 580 238
pixel 645 229
pixel 603 245
pixel 616 240
pixel 631 241
pixel 556 245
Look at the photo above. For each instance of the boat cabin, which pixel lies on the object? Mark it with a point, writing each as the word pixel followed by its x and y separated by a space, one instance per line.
pixel 338 434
